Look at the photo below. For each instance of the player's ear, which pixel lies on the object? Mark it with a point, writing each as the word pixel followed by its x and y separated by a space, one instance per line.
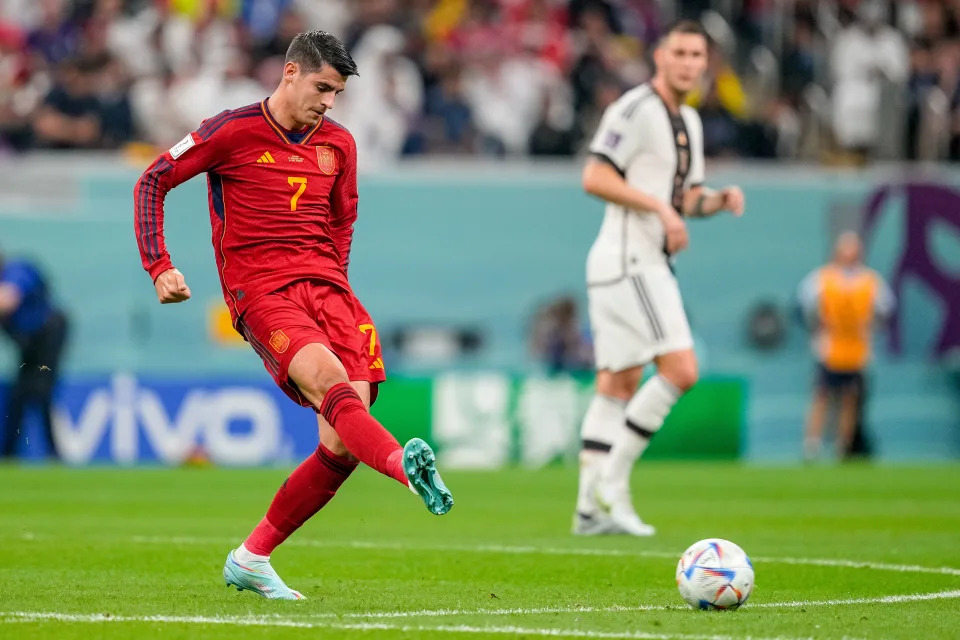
pixel 658 55
pixel 290 71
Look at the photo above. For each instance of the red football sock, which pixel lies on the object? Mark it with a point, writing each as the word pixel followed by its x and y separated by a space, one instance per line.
pixel 363 436
pixel 306 491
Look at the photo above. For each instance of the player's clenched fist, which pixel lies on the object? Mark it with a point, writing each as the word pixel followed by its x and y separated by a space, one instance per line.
pixel 732 200
pixel 171 287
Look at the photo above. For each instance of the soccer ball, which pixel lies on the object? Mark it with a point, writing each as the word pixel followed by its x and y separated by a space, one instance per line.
pixel 715 574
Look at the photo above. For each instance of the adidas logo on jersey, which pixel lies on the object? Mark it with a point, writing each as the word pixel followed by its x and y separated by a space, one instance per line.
pixel 266 158
pixel 377 364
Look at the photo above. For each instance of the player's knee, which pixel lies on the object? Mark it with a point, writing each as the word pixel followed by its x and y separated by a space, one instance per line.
pixel 620 385
pixel 315 370
pixel 683 376
pixel 626 388
pixel 321 380
pixel 613 389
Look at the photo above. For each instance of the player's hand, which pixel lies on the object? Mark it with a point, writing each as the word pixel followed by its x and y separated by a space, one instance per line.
pixel 732 200
pixel 171 287
pixel 676 231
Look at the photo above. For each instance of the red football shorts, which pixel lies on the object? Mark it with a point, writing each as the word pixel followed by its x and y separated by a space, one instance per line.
pixel 279 324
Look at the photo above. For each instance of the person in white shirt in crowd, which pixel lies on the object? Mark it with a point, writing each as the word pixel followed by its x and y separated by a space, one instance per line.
pixel 384 100
pixel 865 55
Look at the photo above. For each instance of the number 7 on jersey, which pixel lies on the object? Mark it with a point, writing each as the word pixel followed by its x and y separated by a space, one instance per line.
pixel 292 180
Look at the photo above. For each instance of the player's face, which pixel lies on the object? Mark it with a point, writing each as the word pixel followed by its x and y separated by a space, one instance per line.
pixel 314 93
pixel 682 59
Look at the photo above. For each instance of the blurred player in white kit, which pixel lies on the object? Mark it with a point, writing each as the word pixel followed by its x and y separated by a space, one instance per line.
pixel 647 164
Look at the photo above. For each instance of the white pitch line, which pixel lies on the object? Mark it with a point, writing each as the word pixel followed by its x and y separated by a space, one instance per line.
pixel 560 551
pixel 34 616
pixel 437 613
pixel 912 597
pixel 857 564
pixel 278 621
pixel 520 611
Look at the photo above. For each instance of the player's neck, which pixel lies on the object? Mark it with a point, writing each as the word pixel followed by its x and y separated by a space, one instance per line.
pixel 278 109
pixel 670 98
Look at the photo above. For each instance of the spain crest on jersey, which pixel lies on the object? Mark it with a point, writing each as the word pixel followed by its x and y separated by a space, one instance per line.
pixel 327 159
pixel 279 341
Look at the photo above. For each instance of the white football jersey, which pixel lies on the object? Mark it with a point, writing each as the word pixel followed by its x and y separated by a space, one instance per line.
pixel 658 153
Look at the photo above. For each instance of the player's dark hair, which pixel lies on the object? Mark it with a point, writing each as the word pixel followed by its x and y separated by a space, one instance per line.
pixel 685 26
pixel 313 50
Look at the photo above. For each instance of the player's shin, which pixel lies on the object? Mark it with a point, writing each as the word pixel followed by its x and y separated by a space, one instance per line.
pixel 307 490
pixel 602 422
pixel 360 432
pixel 645 414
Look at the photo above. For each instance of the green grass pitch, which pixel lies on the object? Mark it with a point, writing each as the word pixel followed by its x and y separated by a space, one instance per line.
pixel 857 551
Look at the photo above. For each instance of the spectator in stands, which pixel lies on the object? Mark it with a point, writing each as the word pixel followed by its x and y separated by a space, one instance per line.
pixel 371 13
pixel 274 44
pixel 262 18
pixel 554 134
pixel 540 26
pixel 866 56
pixel 39 330
pixel 606 91
pixel 18 95
pixel 922 83
pixel 447 125
pixel 594 60
pixel 382 103
pixel 115 111
pixel 156 110
pixel 947 64
pixel 799 62
pixel 841 302
pixel 754 18
pixel 721 130
pixel 198 39
pixel 724 109
pixel 505 94
pixel 70 115
pixel 557 339
pixel 56 38
pixel 495 76
pixel 134 37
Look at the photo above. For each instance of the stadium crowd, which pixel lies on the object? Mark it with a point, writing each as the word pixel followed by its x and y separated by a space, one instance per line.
pixel 795 79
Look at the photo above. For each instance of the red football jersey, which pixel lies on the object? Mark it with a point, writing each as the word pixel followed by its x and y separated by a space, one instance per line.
pixel 282 203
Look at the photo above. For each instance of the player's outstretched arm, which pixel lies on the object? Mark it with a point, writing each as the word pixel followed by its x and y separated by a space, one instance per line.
pixel 701 202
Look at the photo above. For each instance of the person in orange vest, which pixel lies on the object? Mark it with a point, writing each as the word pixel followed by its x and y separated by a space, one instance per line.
pixel 842 300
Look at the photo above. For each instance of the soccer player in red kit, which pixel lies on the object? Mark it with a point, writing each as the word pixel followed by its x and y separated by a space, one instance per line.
pixel 282 183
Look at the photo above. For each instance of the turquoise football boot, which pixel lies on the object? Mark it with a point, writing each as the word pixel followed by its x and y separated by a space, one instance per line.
pixel 420 465
pixel 258 577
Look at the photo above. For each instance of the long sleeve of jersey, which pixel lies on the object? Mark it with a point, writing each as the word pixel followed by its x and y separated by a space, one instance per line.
pixel 343 201
pixel 198 152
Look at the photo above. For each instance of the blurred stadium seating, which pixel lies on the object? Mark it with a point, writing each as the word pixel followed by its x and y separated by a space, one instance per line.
pixel 822 112
pixel 798 79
